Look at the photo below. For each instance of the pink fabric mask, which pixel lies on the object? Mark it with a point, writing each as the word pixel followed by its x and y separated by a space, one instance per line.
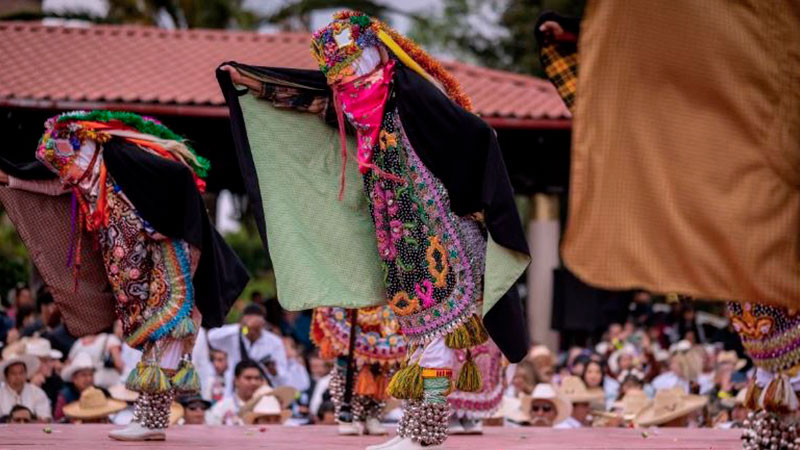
pixel 363 101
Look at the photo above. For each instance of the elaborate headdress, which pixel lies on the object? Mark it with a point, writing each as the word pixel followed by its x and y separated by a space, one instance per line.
pixel 343 41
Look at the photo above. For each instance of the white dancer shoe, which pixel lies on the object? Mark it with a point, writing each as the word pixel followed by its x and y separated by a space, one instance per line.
pixel 386 444
pixel 351 429
pixel 374 427
pixel 455 427
pixel 472 426
pixel 136 432
pixel 408 444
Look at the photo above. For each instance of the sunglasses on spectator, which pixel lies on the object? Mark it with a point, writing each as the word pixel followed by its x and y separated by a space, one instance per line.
pixel 542 408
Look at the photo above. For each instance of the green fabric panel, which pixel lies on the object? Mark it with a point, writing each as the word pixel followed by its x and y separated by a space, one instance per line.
pixel 323 250
pixel 503 267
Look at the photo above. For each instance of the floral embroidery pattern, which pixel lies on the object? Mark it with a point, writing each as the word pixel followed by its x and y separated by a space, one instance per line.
pixel 378 338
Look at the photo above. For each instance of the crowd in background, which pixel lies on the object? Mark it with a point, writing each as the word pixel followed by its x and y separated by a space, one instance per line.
pixel 666 365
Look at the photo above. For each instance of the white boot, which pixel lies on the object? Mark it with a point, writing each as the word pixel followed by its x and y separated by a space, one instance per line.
pixel 455 426
pixel 136 432
pixel 386 444
pixel 374 427
pixel 472 426
pixel 351 429
pixel 408 444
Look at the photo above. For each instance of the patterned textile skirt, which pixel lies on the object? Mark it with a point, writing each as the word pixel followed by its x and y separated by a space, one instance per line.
pixel 151 278
pixel 484 403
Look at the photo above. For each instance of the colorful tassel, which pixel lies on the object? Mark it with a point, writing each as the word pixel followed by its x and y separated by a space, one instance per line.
pixel 751 399
pixel 184 328
pixel 467 335
pixel 148 378
pixel 469 379
pixel 381 383
pixel 779 396
pixel 407 383
pixel 186 381
pixel 326 350
pixel 366 383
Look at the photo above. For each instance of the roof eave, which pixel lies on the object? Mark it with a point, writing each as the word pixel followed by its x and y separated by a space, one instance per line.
pixel 221 111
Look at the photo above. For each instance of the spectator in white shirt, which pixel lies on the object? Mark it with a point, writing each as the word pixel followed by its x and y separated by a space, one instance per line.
pixel 14 374
pixel 296 374
pixel 251 337
pixel 248 377
pixel 214 387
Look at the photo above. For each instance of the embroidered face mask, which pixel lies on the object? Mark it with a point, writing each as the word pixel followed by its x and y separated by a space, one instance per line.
pixel 362 102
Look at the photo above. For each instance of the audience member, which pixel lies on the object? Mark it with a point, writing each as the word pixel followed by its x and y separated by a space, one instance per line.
pixel 574 390
pixel 249 340
pixel 93 407
pixel 15 371
pixel 248 377
pixel 78 376
pixel 194 409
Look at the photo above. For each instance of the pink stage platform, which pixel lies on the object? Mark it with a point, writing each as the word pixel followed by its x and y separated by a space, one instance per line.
pixel 84 437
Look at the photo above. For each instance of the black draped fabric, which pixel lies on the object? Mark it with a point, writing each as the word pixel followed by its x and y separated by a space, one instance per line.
pixel 164 194
pixel 458 147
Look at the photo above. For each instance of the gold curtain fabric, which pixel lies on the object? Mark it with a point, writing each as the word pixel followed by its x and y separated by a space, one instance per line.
pixel 686 149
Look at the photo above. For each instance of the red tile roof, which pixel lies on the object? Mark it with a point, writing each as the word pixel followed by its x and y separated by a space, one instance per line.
pixel 155 70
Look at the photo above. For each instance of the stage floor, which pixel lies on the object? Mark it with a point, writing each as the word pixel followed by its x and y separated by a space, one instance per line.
pixel 86 437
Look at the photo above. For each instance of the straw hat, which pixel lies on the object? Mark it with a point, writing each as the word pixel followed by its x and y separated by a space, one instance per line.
pixel 284 394
pixel 543 391
pixel 267 405
pixel 631 404
pixel 731 357
pixel 93 404
pixel 41 348
pixel 81 361
pixel 541 352
pixel 669 405
pixel 16 348
pixel 120 392
pixel 574 389
pixel 31 364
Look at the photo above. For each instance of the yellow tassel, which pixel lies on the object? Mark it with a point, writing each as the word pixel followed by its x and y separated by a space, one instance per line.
pixel 366 384
pixel 149 378
pixel 467 335
pixel 186 381
pixel 406 384
pixel 469 379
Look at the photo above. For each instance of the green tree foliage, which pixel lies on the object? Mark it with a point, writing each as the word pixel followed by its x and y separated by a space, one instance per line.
pixel 184 13
pixel 494 33
pixel 297 15
pixel 14 261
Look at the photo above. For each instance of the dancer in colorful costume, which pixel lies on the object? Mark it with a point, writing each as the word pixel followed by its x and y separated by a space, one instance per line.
pixel 136 189
pixel 434 194
pixel 470 408
pixel 379 351
pixel 693 190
